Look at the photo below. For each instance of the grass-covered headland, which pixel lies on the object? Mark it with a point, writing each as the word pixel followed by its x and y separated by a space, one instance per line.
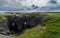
pixel 51 30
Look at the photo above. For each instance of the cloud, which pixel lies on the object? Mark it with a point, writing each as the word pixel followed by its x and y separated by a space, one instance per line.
pixel 29 5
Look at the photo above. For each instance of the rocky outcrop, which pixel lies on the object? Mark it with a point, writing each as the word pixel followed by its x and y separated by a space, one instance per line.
pixel 17 24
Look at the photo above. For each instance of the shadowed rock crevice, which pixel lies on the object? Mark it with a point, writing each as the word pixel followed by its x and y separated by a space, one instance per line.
pixel 18 24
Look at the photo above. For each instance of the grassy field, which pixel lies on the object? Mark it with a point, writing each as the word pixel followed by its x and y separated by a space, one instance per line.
pixel 1 15
pixel 51 30
pixel 52 27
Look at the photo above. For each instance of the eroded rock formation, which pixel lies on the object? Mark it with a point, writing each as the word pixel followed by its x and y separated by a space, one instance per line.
pixel 18 23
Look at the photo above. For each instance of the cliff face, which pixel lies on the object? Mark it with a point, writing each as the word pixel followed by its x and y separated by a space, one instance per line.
pixel 16 24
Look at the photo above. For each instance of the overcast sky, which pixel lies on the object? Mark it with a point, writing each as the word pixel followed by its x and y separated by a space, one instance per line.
pixel 30 5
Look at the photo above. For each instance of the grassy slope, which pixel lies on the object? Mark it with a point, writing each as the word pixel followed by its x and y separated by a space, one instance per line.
pixel 52 29
pixel 32 33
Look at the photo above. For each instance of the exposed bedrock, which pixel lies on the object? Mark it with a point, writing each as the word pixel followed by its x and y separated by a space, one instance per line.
pixel 17 24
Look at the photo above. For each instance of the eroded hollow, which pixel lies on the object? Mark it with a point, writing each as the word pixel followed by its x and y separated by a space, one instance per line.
pixel 17 24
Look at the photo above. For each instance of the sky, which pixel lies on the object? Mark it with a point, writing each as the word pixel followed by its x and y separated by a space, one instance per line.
pixel 30 5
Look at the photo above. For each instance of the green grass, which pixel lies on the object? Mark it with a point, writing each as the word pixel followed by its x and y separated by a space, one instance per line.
pixel 1 15
pixel 53 27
